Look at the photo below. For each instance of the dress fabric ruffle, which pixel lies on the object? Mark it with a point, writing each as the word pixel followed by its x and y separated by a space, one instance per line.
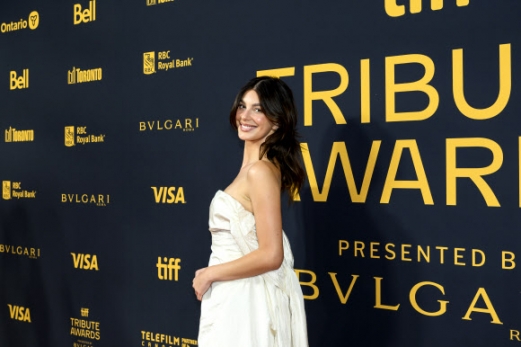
pixel 260 311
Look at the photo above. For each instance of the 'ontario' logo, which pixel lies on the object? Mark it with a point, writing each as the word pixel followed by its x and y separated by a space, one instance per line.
pixel 186 124
pixel 155 2
pixel 78 135
pixel 164 62
pixel 13 190
pixel 101 200
pixel 77 75
pixel 14 135
pixel 31 22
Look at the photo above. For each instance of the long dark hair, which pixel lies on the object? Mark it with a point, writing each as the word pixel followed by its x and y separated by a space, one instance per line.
pixel 282 147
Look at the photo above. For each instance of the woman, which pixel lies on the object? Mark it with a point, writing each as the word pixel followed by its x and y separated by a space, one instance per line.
pixel 250 294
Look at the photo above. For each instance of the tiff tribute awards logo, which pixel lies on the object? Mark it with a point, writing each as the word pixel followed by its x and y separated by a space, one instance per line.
pixel 85 328
pixel 163 63
pixel 19 82
pixel 78 135
pixel 415 6
pixel 14 190
pixel 19 313
pixel 85 15
pixel 32 22
pixel 13 135
pixel 169 270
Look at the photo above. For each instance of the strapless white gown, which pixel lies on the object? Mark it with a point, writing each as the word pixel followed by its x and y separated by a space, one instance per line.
pixel 260 311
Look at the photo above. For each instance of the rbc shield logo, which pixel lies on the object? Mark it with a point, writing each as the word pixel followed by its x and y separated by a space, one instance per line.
pixel 69 136
pixel 6 190
pixel 149 63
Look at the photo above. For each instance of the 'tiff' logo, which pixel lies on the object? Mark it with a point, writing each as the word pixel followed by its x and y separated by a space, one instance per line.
pixel 69 136
pixel 149 63
pixel 164 270
pixel 6 190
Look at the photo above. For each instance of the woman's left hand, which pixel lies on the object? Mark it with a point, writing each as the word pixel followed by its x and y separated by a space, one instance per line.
pixel 201 282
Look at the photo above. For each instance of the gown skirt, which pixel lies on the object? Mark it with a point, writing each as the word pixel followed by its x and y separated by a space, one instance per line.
pixel 261 311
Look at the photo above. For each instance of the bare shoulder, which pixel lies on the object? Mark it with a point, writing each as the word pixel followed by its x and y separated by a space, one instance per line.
pixel 264 172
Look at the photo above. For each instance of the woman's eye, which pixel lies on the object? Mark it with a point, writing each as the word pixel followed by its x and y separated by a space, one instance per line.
pixel 241 107
pixel 258 110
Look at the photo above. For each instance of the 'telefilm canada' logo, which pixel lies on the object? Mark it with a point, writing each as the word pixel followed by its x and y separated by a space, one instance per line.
pixel 14 135
pixel 164 62
pixel 85 328
pixel 19 82
pixel 156 2
pixel 13 190
pixel 78 135
pixel 168 269
pixel 31 22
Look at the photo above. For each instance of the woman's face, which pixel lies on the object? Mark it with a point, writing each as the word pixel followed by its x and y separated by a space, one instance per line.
pixel 252 123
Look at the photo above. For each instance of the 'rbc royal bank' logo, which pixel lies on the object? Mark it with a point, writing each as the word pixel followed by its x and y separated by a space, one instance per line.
pixel 19 82
pixel 6 190
pixel 149 63
pixel 415 6
pixel 85 15
pixel 14 190
pixel 74 135
pixel 169 270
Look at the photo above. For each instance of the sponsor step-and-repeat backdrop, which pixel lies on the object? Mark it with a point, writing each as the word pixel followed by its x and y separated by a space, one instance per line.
pixel 115 137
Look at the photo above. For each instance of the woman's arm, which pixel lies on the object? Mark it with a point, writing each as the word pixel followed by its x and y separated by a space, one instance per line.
pixel 263 186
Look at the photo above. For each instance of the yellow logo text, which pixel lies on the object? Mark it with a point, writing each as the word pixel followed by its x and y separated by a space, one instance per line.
pixel 169 270
pixel 85 15
pixel 76 75
pixel 20 313
pixel 19 82
pixel 32 23
pixel 187 124
pixel 168 195
pixel 13 135
pixel 415 6
pixel 85 261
